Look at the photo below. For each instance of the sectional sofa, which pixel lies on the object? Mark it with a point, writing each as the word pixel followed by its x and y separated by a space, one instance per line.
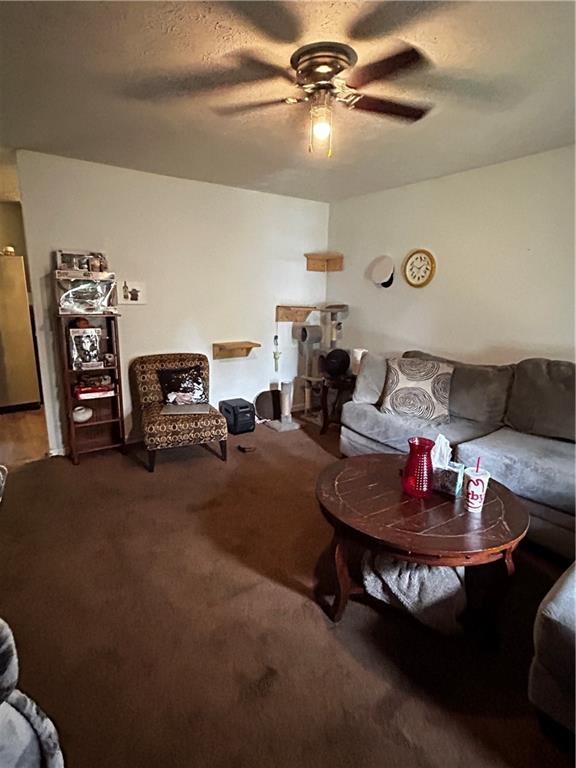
pixel 518 418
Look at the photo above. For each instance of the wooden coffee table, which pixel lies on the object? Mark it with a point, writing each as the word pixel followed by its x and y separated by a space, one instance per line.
pixel 363 500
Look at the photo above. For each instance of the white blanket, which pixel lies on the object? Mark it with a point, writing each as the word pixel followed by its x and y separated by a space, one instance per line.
pixel 434 595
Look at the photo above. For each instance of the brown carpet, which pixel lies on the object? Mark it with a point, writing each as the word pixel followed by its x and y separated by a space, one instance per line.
pixel 166 620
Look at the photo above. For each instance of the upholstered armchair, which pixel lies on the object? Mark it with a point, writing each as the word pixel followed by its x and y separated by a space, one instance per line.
pixel 170 431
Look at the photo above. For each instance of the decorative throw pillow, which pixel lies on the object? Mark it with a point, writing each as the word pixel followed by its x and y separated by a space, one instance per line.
pixel 417 388
pixel 183 386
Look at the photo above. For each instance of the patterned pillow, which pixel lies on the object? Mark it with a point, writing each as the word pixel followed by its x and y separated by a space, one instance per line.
pixel 183 386
pixel 418 388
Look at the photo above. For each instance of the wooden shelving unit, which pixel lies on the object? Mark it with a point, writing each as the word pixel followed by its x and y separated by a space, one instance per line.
pixel 324 261
pixel 289 313
pixel 105 429
pixel 225 349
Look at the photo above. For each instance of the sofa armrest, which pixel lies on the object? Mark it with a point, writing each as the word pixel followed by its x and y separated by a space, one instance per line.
pixel 371 379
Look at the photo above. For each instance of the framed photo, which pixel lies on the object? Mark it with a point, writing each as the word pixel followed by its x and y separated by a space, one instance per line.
pixel 131 292
pixel 85 348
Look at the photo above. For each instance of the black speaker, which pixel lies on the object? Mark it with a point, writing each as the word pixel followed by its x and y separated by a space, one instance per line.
pixel 239 415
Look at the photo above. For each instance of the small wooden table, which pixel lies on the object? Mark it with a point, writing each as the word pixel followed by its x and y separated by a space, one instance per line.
pixel 363 500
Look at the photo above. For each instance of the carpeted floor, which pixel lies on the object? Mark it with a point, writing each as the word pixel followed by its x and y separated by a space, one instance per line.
pixel 166 621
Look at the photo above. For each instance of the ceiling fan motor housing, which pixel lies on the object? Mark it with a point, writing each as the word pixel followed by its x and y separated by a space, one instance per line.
pixel 317 64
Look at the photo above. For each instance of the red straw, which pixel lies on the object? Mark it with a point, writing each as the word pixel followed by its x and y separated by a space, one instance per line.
pixel 478 464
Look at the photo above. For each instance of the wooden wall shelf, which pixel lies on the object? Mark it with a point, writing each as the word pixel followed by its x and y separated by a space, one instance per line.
pixel 224 349
pixel 324 261
pixel 293 314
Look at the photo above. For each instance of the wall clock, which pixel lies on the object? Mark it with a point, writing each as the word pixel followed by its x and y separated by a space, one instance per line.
pixel 419 268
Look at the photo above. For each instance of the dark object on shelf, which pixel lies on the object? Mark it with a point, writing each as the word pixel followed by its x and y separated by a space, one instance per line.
pixel 105 429
pixel 239 415
pixel 246 448
pixel 343 386
pixel 336 363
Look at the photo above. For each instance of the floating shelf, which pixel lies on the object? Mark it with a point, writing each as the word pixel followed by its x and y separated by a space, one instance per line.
pixel 223 349
pixel 293 314
pixel 325 261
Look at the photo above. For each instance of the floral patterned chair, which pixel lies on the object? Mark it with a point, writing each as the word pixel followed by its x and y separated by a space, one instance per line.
pixel 167 431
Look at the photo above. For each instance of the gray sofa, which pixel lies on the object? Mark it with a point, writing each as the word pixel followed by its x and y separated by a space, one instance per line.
pixel 551 684
pixel 518 418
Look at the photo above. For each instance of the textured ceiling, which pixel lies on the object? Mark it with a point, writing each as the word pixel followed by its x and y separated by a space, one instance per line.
pixel 134 84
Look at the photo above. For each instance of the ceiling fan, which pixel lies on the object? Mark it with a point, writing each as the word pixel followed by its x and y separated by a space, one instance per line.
pixel 326 73
pixel 321 73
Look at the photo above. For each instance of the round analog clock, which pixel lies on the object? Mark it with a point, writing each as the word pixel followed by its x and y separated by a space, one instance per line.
pixel 419 268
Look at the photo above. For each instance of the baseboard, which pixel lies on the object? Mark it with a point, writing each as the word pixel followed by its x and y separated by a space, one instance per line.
pixel 33 406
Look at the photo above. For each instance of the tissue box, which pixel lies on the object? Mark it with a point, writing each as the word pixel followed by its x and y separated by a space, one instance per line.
pixel 449 479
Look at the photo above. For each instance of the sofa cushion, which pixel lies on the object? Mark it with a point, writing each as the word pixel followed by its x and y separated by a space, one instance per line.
pixel 354 444
pixel 394 431
pixel 371 377
pixel 551 529
pixel 478 392
pixel 542 398
pixel 174 431
pixel 417 387
pixel 539 468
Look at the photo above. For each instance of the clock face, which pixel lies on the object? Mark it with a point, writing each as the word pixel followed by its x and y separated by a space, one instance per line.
pixel 419 268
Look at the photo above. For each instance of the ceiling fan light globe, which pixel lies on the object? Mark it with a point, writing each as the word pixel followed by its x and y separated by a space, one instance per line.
pixel 321 124
pixel 322 130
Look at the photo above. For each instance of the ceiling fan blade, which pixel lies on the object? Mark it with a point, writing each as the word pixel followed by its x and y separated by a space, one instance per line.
pixel 256 64
pixel 238 109
pixel 405 59
pixel 250 69
pixel 391 108
pixel 385 18
pixel 273 19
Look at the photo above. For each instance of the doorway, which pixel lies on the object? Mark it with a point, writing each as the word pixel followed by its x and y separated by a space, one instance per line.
pixel 23 434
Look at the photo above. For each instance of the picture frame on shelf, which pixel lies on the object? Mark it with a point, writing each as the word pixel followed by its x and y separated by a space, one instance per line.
pixel 85 351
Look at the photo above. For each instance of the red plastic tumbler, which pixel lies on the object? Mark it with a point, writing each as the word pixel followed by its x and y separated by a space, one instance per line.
pixel 417 478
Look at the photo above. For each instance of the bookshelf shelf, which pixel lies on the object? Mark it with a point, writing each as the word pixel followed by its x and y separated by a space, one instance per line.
pixel 105 429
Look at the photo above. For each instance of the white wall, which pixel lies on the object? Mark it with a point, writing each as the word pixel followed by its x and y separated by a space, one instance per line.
pixel 503 238
pixel 216 261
